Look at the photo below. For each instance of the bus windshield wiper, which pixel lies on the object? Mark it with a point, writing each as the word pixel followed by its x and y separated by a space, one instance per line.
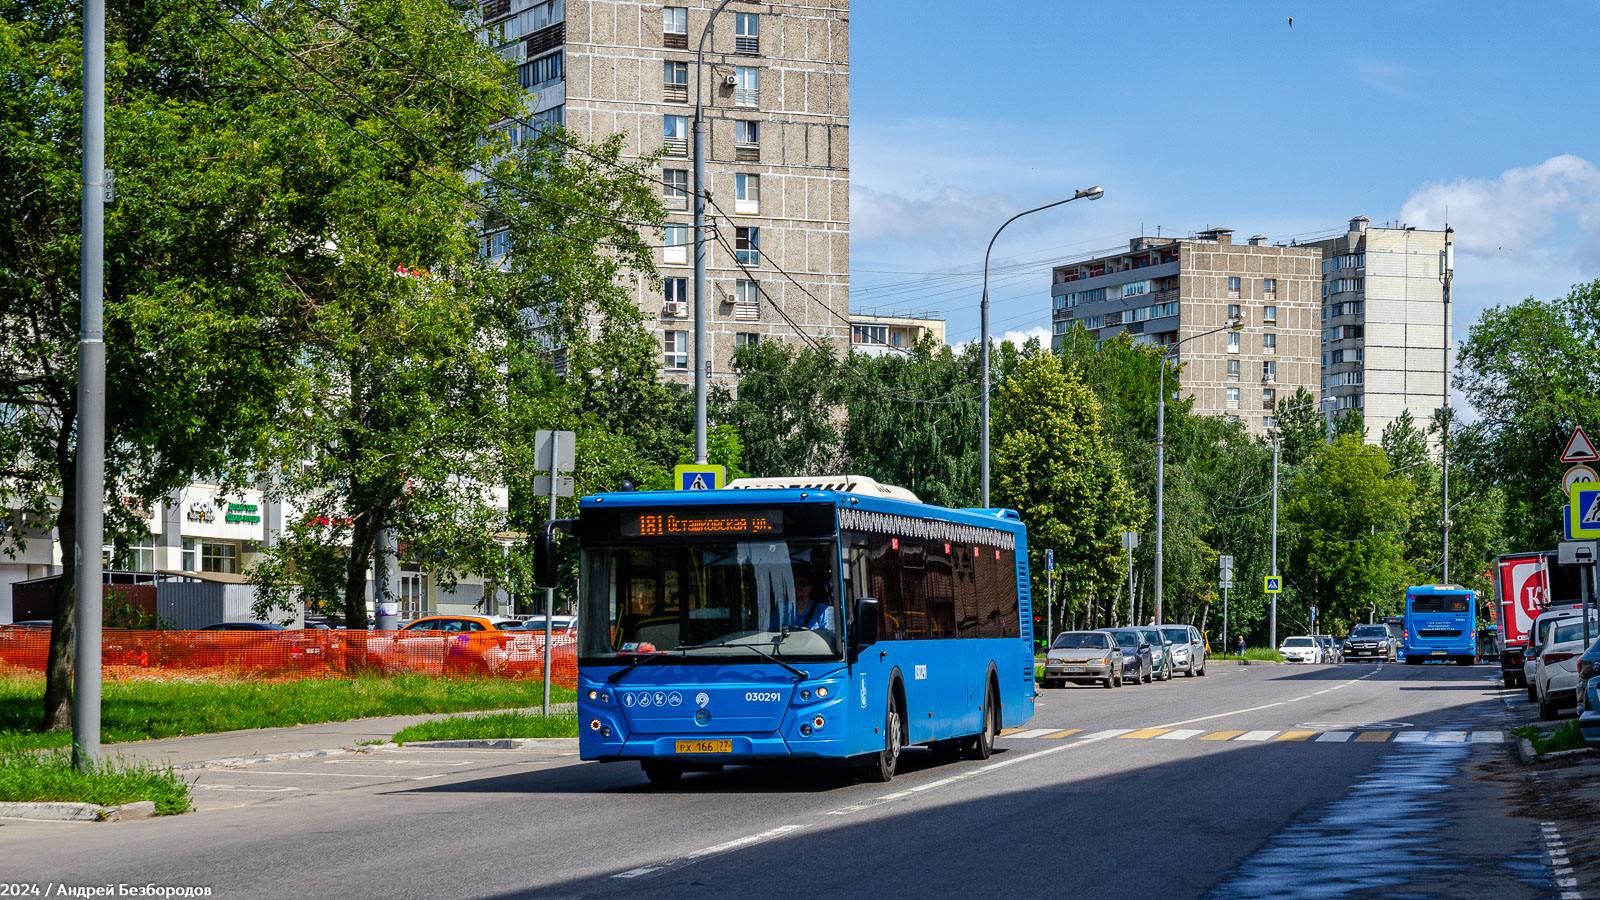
pixel 637 661
pixel 770 658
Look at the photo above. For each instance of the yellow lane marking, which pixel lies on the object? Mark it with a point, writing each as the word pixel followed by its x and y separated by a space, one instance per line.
pixel 1295 736
pixel 1146 733
pixel 1373 736
pixel 1013 730
pixel 1061 734
pixel 1220 735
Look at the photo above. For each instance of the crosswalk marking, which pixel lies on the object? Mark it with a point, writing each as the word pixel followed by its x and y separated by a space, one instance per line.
pixel 1410 737
pixel 1221 736
pixel 1010 731
pixel 1296 735
pixel 1373 736
pixel 1115 732
pixel 1488 737
pixel 1033 733
pixel 1146 733
pixel 1449 737
pixel 1334 737
pixel 1182 734
pixel 1068 733
pixel 1256 736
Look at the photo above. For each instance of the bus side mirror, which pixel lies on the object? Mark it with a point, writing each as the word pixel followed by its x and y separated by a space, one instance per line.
pixel 544 552
pixel 866 623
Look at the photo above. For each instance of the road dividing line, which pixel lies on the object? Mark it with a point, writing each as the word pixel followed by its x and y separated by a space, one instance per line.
pixel 1334 737
pixel 1221 736
pixel 745 841
pixel 1182 734
pixel 1411 737
pixel 1373 737
pixel 1257 736
pixel 1222 715
pixel 1030 733
pixel 1296 736
pixel 1146 733
pixel 1068 733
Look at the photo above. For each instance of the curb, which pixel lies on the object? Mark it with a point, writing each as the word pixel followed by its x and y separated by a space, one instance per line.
pixel 1530 756
pixel 1525 751
pixel 265 757
pixel 78 812
pixel 496 744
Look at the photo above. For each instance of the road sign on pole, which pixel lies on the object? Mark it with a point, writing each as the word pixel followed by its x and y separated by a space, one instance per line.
pixel 565 444
pixel 1579 449
pixel 1578 475
pixel 1583 517
pixel 1273 584
pixel 697 478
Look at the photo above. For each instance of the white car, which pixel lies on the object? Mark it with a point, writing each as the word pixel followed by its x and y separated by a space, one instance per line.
pixel 1555 672
pixel 1304 649
pixel 1537 634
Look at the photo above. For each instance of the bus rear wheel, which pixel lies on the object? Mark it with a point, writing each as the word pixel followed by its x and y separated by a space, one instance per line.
pixel 882 765
pixel 981 745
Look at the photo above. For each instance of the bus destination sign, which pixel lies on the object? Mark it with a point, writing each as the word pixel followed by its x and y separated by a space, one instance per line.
pixel 659 524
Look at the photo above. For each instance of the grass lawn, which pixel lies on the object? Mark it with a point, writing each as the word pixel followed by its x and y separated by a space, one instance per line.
pixel 492 726
pixel 140 710
pixel 50 777
pixel 1567 736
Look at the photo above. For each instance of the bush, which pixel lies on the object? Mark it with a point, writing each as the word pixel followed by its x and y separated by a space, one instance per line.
pixel 50 777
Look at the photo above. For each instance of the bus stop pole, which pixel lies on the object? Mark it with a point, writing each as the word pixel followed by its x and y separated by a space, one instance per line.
pixel 550 592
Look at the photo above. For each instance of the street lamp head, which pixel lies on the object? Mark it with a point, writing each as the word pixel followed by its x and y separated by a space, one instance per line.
pixel 1235 322
pixel 1094 193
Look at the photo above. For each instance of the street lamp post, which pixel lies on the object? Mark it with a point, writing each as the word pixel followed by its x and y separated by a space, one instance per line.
pixel 1446 274
pixel 1093 193
pixel 702 365
pixel 1234 324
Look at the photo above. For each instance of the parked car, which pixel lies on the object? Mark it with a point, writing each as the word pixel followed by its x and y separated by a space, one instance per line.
pixel 1555 672
pixel 255 645
pixel 1160 652
pixel 1188 649
pixel 1537 635
pixel 1370 642
pixel 1589 695
pixel 1084 657
pixel 1136 653
pixel 457 645
pixel 559 625
pixel 1301 648
pixel 1330 649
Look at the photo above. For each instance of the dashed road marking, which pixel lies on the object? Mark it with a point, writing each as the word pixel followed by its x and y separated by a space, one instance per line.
pixel 1067 733
pixel 1442 736
pixel 1334 737
pixel 1256 736
pixel 1221 736
pixel 1182 734
pixel 1296 736
pixel 1145 733
pixel 1373 736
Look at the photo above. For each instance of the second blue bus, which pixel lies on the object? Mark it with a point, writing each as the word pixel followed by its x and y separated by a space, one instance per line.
pixel 828 619
pixel 1441 623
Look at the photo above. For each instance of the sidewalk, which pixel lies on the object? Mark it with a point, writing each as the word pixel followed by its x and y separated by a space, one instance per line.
pixel 275 742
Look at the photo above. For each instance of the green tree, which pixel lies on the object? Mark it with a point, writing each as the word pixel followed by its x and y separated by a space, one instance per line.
pixel 1301 426
pixel 786 409
pixel 1052 465
pixel 913 420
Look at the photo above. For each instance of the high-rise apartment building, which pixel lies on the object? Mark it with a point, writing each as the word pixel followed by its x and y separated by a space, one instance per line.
pixel 1384 323
pixel 776 96
pixel 1172 291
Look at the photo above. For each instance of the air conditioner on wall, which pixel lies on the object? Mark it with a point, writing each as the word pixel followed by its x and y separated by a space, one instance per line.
pixel 675 309
pixel 730 80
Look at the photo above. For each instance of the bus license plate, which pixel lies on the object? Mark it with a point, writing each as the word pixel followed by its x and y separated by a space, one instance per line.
pixel 704 747
pixel 1438 653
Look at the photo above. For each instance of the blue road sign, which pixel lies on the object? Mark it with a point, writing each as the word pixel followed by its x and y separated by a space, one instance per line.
pixel 1273 584
pixel 1050 560
pixel 1583 519
pixel 698 478
pixel 1566 522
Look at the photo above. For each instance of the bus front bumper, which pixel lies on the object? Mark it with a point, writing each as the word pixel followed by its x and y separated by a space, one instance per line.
pixel 708 749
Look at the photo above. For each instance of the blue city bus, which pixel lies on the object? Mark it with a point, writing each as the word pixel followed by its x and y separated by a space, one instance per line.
pixel 1441 622
pixel 837 621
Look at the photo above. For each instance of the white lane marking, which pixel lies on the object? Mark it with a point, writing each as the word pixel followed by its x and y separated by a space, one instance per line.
pixel 1488 737
pixel 1298 699
pixel 635 873
pixel 745 841
pixel 1256 736
pixel 1266 706
pixel 1100 735
pixel 404 762
pixel 1182 734
pixel 1411 737
pixel 1034 732
pixel 933 784
pixel 328 774
pixel 1334 737
pixel 1449 737
pixel 239 787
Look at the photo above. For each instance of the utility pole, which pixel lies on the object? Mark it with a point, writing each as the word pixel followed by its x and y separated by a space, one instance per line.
pixel 1161 486
pixel 1273 626
pixel 702 363
pixel 1446 274
pixel 91 470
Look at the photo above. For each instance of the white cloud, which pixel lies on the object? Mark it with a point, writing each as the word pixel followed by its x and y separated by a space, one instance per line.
pixel 950 215
pixel 1513 215
pixel 1039 333
pixel 1383 76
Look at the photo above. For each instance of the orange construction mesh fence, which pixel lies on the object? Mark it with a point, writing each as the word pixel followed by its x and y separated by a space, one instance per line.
pixel 315 652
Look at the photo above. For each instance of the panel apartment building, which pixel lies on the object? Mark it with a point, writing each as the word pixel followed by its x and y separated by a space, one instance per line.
pixel 1169 291
pixel 776 95
pixel 1384 323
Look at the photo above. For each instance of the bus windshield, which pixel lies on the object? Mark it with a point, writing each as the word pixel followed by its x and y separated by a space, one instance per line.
pixel 712 600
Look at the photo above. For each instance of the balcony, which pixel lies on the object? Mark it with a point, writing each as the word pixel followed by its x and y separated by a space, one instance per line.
pixel 746 97
pixel 675 146
pixel 746 152
pixel 747 43
pixel 675 93
pixel 1164 296
pixel 547 39
pixel 675 40
pixel 493 9
pixel 747 312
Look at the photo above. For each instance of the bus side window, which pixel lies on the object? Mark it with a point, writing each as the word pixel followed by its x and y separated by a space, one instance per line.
pixel 966 593
pixel 919 622
pixel 939 583
pixel 985 586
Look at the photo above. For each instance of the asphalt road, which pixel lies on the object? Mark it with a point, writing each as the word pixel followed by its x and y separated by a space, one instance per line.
pixel 1259 781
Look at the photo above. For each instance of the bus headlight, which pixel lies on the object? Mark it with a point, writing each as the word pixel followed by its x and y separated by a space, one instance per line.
pixel 818 722
pixel 822 692
pixel 594 694
pixel 594 724
pixel 805 731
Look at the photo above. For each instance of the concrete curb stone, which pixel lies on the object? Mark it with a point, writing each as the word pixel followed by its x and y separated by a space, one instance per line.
pixel 79 812
pixel 497 743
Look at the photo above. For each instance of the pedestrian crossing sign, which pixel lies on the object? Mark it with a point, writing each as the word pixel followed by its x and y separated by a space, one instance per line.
pixel 1583 516
pixel 1274 584
pixel 698 478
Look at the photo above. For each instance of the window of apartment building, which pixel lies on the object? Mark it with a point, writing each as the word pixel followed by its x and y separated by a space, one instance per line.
pixel 1269 343
pixel 494 246
pixel 869 334
pixel 413 593
pixel 746 33
pixel 746 339
pixel 1269 398
pixel 1233 310
pixel 676 290
pixel 1137 314
pixel 1161 310
pixel 1233 370
pixel 1347 284
pixel 1269 285
pixel 1269 372
pixel 746 193
pixel 219 558
pixel 1324 292
pixel 747 141
pixel 675 81
pixel 1233 398
pixel 1058 302
pixel 675 27
pixel 1233 342
pixel 676 241
pixel 191 561
pixel 1061 326
pixel 1269 314
pixel 747 88
pixel 746 300
pixel 1355 331
pixel 1233 287
pixel 537 73
pixel 675 188
pixel 138 556
pixel 1092 322
pixel 675 135
pixel 555 116
pixel 747 246
pixel 1268 423
pixel 676 344
pixel 1135 288
pixel 1336 357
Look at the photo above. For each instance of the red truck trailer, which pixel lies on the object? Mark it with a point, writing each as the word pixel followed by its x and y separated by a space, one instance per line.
pixel 1521 589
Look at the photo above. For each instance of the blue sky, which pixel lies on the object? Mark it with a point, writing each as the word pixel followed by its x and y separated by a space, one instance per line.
pixel 1195 114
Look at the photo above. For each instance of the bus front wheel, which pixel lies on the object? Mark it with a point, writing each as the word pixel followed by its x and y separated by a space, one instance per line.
pixel 882 765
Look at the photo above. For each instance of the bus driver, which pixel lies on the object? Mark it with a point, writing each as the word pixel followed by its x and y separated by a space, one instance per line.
pixel 809 614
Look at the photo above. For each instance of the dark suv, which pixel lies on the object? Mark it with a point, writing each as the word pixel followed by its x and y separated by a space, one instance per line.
pixel 1370 642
